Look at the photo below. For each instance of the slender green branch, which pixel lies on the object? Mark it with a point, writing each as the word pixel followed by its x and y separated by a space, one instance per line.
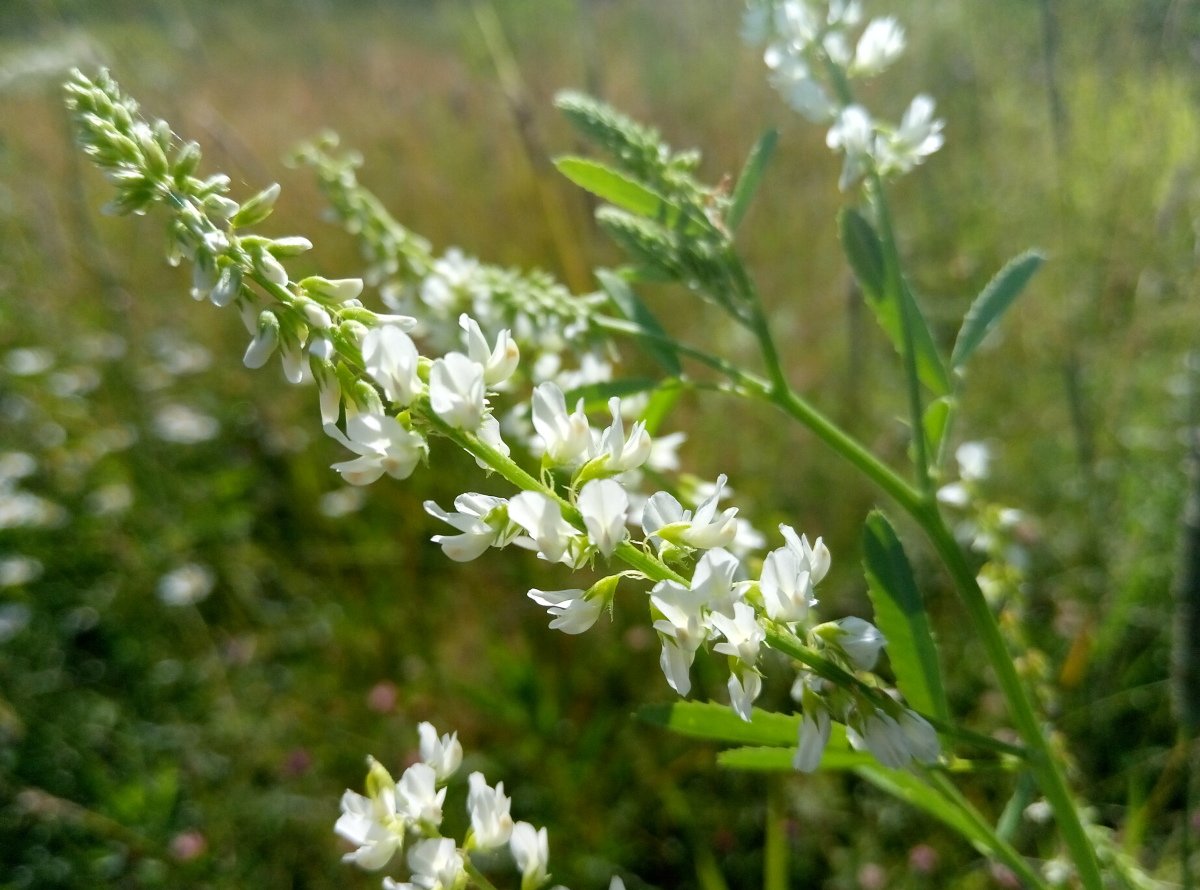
pixel 894 285
pixel 998 846
pixel 1042 762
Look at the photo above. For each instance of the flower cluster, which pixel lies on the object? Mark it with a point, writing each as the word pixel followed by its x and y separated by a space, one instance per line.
pixel 382 399
pixel 813 58
pixel 405 816
pixel 546 320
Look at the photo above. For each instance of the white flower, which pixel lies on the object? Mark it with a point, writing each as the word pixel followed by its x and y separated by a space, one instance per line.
pixel 974 460
pixel 853 133
pixel 712 579
pixel 921 737
pixel 860 640
pixel 531 850
pixel 417 795
pixel 814 736
pixel 435 864
pixel 478 519
pixel 743 634
pixel 574 611
pixel 186 585
pixel 383 444
pixel 664 518
pixel 883 737
pixel 456 391
pixel 786 586
pixel 618 453
pixel 918 136
pixel 542 518
pixel 443 754
pixel 566 438
pixel 372 823
pixel 498 363
pixel 266 339
pixel 391 357
pixel 603 504
pixel 489 808
pixel 682 629
pixel 744 687
pixel 881 43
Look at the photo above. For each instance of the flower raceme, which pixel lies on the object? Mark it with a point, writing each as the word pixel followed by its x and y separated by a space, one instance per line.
pixel 812 67
pixel 383 400
pixel 406 816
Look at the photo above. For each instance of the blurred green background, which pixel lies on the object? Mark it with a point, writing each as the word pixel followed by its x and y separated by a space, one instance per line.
pixel 202 634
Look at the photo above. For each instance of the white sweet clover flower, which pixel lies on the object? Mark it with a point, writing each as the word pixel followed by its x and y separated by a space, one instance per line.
pixel 574 611
pixel 881 43
pixel 391 359
pixel 566 437
pixel 604 503
pixel 482 522
pixel 895 742
pixel 853 134
pixel 612 452
pixel 815 728
pixel 383 444
pixel 491 824
pixel 918 136
pixel 744 636
pixel 530 849
pixel 499 362
pixel 418 796
pixel 664 519
pixel 541 518
pixel 442 753
pixel 858 639
pixel 435 864
pixel 682 629
pixel 372 823
pixel 456 391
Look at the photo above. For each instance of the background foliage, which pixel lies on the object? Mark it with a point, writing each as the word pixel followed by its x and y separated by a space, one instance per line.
pixel 147 744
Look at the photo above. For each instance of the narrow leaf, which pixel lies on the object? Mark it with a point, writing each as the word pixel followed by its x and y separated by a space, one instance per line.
pixel 900 614
pixel 912 790
pixel 596 395
pixel 751 176
pixel 662 400
pixel 632 307
pixel 992 302
pixel 865 253
pixel 610 185
pixel 937 416
pixel 705 720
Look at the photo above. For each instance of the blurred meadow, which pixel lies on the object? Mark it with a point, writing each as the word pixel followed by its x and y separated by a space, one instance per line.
pixel 203 632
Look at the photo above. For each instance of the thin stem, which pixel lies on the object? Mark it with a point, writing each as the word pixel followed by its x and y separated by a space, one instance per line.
pixel 894 284
pixel 775 843
pixel 1000 848
pixel 1041 759
pixel 479 878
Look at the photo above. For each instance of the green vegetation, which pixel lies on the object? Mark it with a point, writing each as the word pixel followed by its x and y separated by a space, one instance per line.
pixel 197 731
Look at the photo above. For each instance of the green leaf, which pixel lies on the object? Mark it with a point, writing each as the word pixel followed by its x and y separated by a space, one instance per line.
pixel 865 253
pixel 914 791
pixel 900 614
pixel 937 416
pixel 662 400
pixel 993 302
pixel 705 720
pixel 632 307
pixel 596 395
pixel 610 185
pixel 751 176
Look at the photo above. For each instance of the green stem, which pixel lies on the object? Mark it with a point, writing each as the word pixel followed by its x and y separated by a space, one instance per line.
pixel 1041 759
pixel 477 877
pixel 998 846
pixel 775 844
pixel 894 285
